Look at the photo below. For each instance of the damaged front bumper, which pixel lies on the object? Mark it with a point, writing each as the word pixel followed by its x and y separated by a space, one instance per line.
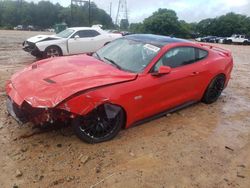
pixel 38 116
pixel 14 111
pixel 32 49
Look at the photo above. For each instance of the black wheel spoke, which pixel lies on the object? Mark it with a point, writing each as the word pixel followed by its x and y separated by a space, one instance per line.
pixel 52 52
pixel 98 125
pixel 215 89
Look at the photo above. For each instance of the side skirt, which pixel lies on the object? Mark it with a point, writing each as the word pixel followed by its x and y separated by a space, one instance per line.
pixel 161 114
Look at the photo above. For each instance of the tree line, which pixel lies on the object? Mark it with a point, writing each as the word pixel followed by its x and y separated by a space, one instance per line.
pixel 45 14
pixel 166 22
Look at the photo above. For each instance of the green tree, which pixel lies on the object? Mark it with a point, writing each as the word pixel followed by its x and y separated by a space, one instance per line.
pixel 45 14
pixel 163 22
pixel 136 28
pixel 124 24
pixel 225 25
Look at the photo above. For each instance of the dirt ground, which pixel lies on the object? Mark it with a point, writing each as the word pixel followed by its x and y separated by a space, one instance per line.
pixel 201 146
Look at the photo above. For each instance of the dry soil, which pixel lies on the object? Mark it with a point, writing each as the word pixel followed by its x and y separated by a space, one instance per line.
pixel 201 146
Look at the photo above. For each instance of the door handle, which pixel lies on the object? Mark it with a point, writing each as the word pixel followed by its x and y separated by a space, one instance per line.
pixel 195 73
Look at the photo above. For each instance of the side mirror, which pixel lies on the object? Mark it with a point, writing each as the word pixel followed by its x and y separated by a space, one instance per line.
pixel 162 71
pixel 76 37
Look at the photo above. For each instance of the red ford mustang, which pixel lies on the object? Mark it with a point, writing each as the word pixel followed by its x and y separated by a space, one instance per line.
pixel 128 81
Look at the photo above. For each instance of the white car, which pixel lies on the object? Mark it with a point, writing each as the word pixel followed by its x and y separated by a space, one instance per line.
pixel 75 40
pixel 236 39
pixel 198 39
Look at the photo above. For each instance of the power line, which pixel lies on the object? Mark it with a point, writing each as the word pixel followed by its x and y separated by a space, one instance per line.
pixel 122 12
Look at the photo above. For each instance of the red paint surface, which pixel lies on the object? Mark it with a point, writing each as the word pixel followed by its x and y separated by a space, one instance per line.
pixel 83 83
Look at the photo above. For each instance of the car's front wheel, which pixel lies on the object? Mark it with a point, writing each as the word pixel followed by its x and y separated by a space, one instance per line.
pixel 52 51
pixel 229 42
pixel 214 89
pixel 102 124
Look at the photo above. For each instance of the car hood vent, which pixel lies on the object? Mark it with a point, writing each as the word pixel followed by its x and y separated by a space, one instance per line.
pixel 34 66
pixel 49 81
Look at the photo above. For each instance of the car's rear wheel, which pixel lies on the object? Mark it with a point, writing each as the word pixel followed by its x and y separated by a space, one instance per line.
pixel 214 89
pixel 52 51
pixel 245 43
pixel 102 124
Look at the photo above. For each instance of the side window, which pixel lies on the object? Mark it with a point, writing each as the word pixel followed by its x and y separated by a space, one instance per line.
pixel 86 33
pixel 180 56
pixel 202 54
pixel 177 57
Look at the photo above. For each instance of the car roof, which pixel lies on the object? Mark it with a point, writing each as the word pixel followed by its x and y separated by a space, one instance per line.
pixel 157 40
pixel 81 28
pixel 87 28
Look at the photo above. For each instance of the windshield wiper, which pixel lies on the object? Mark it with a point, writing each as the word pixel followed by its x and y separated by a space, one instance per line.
pixel 98 56
pixel 113 62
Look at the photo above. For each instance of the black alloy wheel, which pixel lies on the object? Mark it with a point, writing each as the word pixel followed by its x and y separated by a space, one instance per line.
pixel 102 124
pixel 214 89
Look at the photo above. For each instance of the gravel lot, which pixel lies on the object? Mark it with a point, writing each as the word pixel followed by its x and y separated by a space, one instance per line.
pixel 201 146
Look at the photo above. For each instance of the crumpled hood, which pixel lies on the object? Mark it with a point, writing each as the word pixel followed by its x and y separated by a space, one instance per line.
pixel 48 82
pixel 40 38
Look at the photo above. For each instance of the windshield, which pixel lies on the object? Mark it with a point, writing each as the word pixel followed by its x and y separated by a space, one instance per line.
pixel 127 54
pixel 66 33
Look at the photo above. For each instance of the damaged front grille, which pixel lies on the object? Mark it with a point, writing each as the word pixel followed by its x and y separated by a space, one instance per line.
pixel 29 46
pixel 26 113
pixel 15 111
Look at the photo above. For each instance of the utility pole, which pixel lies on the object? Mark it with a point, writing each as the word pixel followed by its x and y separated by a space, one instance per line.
pixel 71 15
pixel 110 9
pixel 122 12
pixel 89 14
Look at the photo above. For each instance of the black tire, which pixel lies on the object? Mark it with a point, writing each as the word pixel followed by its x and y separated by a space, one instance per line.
pixel 52 51
pixel 229 42
pixel 245 43
pixel 214 89
pixel 97 127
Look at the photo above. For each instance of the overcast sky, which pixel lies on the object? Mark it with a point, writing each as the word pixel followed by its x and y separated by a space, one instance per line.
pixel 188 10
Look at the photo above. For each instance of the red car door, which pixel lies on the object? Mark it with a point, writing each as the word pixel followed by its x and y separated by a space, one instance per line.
pixel 183 84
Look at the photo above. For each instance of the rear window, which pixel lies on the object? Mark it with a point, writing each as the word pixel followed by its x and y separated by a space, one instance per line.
pixel 86 33
pixel 202 54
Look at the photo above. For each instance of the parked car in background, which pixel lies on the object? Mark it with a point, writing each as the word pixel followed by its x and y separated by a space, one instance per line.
pixel 209 39
pixel 71 41
pixel 19 27
pixel 236 39
pixel 30 28
pixel 217 39
pixel 50 30
pixel 129 81
pixel 125 33
pixel 198 39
